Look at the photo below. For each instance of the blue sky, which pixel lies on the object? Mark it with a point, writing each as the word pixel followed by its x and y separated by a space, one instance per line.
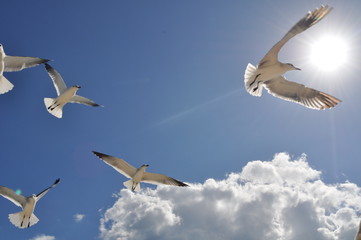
pixel 170 77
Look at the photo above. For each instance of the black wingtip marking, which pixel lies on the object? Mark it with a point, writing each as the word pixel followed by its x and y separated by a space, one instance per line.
pixel 99 155
pixel 57 181
pixel 180 184
pixel 45 60
pixel 183 185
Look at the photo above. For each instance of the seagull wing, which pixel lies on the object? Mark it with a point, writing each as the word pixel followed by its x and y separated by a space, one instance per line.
pixel 58 81
pixel 83 100
pixel 358 234
pixel 118 164
pixel 295 92
pixel 40 195
pixel 306 22
pixel 13 64
pixel 155 178
pixel 9 194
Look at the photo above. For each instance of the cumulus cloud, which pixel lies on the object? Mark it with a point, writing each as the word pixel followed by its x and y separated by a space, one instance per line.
pixel 279 199
pixel 43 237
pixel 79 217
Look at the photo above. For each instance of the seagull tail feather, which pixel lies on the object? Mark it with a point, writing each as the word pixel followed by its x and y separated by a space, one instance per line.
pixel 53 108
pixel 20 220
pixel 130 185
pixel 252 86
pixel 5 85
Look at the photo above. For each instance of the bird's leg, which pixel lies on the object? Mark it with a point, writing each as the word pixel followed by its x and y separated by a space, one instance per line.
pixel 22 221
pixel 254 89
pixel 50 107
pixel 255 79
pixel 133 187
pixel 54 107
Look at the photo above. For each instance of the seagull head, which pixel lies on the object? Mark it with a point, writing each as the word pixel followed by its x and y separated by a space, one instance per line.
pixel 145 165
pixel 76 86
pixel 289 67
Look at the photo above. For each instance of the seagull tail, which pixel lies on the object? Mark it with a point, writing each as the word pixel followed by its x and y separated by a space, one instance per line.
pixel 20 220
pixel 130 185
pixel 252 86
pixel 5 85
pixel 53 108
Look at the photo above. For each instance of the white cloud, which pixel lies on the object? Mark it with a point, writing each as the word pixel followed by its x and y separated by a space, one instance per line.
pixel 79 217
pixel 281 199
pixel 43 237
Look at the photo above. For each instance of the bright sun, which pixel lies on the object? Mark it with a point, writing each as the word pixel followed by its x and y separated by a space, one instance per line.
pixel 329 53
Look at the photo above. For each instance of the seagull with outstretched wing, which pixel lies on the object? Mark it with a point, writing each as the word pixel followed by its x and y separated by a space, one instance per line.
pixel 12 64
pixel 65 95
pixel 137 175
pixel 269 71
pixel 26 217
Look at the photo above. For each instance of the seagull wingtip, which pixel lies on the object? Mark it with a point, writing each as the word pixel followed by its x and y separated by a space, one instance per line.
pixel 47 66
pixel 98 154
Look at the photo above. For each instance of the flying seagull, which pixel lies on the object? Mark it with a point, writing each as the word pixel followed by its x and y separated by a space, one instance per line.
pixel 137 175
pixel 25 218
pixel 12 64
pixel 269 71
pixel 65 95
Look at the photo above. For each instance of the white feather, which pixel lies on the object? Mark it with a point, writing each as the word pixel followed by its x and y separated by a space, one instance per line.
pixel 57 111
pixel 21 221
pixel 5 85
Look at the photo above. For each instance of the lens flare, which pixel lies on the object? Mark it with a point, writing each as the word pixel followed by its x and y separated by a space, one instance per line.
pixel 18 191
pixel 329 53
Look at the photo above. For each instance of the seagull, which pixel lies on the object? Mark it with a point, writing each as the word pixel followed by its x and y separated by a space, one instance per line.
pixel 269 71
pixel 65 95
pixel 25 218
pixel 137 175
pixel 12 64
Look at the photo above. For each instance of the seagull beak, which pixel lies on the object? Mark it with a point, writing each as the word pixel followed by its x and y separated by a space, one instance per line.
pixel 297 68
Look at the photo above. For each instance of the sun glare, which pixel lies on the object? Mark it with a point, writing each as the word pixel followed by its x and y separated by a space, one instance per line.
pixel 329 53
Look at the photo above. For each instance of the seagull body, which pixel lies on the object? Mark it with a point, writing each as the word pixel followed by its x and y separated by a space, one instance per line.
pixel 65 95
pixel 25 218
pixel 269 71
pixel 12 64
pixel 137 175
